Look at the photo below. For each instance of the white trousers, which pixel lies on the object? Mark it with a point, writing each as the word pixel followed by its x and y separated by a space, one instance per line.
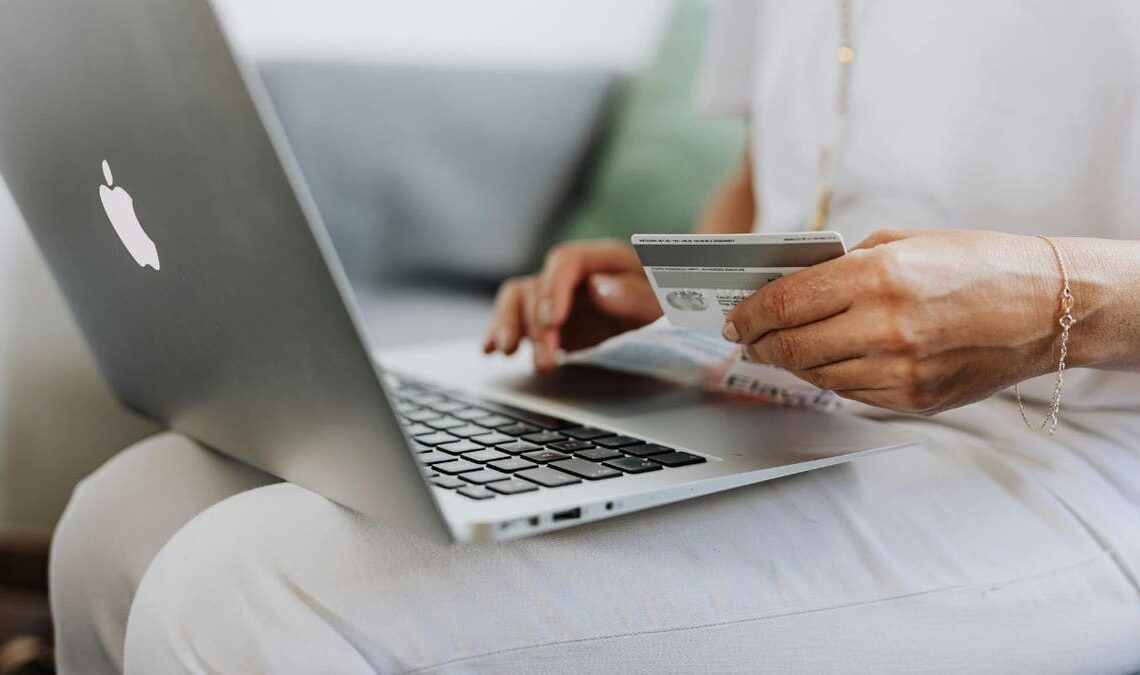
pixel 979 551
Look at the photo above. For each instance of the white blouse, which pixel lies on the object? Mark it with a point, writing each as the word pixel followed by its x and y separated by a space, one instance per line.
pixel 1008 115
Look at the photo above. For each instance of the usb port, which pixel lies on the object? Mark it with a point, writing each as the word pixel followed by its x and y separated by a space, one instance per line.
pixel 569 514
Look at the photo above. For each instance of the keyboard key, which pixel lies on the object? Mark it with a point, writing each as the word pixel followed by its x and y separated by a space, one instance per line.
pixel 468 430
pixel 447 482
pixel 646 449
pixel 476 492
pixel 444 423
pixel 585 433
pixel 598 454
pixel 418 430
pixel 425 399
pixel 513 486
pixel 470 413
pixel 528 416
pixel 518 447
pixel 493 438
pixel 548 477
pixel 571 445
pixel 457 466
pixel 434 457
pixel 421 415
pixel 584 469
pixel 460 447
pixel 544 456
pixel 437 438
pixel 449 406
pixel 544 437
pixel 493 421
pixel 677 459
pixel 420 447
pixel 485 455
pixel 517 429
pixel 405 407
pixel 512 464
pixel 616 441
pixel 485 476
pixel 634 464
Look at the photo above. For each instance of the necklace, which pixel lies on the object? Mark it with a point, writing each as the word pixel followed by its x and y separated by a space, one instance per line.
pixel 845 55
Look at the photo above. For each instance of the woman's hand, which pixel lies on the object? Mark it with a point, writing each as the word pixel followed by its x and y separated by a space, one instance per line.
pixel 917 321
pixel 586 292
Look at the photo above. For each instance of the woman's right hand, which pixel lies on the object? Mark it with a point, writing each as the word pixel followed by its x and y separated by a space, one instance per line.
pixel 586 292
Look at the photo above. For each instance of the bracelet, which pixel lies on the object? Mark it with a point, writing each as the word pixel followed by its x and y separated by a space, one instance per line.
pixel 1066 322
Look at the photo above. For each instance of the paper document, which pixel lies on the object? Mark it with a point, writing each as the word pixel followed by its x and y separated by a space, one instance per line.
pixel 701 358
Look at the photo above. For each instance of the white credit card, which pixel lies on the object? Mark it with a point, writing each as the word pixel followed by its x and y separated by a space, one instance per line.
pixel 699 278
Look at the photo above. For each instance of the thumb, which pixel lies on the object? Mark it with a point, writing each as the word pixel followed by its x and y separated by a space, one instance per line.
pixel 624 296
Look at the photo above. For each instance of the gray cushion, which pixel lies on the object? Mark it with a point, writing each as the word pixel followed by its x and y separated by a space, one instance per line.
pixel 433 171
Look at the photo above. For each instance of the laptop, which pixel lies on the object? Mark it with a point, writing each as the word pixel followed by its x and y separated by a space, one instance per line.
pixel 162 193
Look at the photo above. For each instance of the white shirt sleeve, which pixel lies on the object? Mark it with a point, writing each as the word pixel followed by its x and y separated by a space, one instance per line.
pixel 728 72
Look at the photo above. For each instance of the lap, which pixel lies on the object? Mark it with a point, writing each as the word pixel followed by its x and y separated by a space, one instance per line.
pixel 116 522
pixel 959 553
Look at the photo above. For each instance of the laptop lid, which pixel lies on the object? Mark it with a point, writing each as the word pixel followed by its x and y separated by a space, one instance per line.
pixel 156 182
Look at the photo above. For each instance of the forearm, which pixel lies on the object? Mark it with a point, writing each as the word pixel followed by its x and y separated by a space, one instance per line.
pixel 1105 279
pixel 732 208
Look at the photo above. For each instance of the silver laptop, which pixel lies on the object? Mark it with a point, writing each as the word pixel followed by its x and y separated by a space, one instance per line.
pixel 156 180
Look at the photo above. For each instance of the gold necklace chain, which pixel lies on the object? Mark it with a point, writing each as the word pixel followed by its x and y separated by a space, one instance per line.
pixel 845 55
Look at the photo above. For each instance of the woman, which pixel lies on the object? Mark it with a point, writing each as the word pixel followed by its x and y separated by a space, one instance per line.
pixel 991 547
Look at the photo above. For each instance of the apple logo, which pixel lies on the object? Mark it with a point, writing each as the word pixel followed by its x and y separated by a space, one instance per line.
pixel 120 210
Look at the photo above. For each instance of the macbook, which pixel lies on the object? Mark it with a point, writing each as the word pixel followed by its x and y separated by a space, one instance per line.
pixel 162 193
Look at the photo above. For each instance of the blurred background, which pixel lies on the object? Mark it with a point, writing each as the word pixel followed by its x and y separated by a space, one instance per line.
pixel 447 145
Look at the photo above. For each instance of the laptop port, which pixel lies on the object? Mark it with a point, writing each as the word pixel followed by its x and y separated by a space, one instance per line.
pixel 569 514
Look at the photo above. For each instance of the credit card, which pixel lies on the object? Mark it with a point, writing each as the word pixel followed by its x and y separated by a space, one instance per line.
pixel 699 278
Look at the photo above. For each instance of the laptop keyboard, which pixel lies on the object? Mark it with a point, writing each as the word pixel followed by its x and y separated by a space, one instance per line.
pixel 487 450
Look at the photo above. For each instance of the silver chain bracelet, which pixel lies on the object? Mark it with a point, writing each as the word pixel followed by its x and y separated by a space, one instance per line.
pixel 1066 321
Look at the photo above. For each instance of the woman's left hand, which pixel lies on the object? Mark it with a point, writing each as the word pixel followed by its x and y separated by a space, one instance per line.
pixel 912 321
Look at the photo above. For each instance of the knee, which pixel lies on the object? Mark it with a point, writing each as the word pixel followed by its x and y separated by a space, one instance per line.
pixel 93 569
pixel 224 593
pixel 115 523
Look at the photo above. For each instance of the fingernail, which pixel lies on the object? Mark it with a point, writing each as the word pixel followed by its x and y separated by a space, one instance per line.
pixel 502 338
pixel 544 311
pixel 605 287
pixel 729 332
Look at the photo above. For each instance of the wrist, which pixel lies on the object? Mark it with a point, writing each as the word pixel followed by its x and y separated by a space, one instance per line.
pixel 1098 271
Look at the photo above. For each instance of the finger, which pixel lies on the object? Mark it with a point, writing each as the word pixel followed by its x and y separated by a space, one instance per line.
pixel 879 398
pixel 506 328
pixel 625 296
pixel 852 334
pixel 569 265
pixel 813 294
pixel 868 373
pixel 533 330
pixel 896 400
pixel 886 236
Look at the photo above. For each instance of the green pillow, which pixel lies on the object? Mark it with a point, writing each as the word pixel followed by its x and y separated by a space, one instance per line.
pixel 662 158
